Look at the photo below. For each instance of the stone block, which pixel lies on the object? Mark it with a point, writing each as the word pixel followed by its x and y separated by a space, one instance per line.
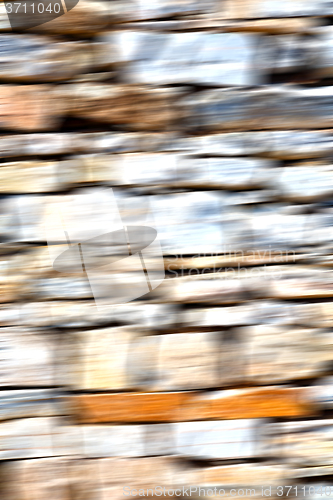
pixel 133 108
pixel 35 58
pixel 302 443
pixel 266 108
pixel 300 282
pixel 112 441
pixel 242 314
pixel 98 359
pixel 146 169
pixel 31 403
pixel 287 53
pixel 234 404
pixel 27 358
pixel 36 438
pixel 308 182
pixel 188 361
pixel 36 479
pixel 277 353
pixel 294 144
pixel 225 173
pixel 159 439
pixel 29 109
pixel 170 8
pixel 192 57
pixel 28 177
pixel 217 440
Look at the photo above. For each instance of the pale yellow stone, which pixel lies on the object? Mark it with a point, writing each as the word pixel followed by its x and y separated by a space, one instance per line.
pixel 99 359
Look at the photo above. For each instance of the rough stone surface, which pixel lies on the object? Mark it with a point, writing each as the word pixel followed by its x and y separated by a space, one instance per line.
pixel 211 122
pixel 219 440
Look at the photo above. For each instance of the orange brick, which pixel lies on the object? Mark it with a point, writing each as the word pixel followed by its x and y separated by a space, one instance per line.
pixel 136 407
pixel 187 406
pixel 247 403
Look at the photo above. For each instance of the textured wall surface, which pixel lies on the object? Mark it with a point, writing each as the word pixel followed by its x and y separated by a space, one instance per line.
pixel 216 116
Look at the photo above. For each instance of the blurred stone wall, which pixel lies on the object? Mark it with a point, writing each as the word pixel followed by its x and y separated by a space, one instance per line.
pixel 217 115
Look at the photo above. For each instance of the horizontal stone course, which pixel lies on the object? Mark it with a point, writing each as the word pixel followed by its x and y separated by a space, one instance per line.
pixel 183 406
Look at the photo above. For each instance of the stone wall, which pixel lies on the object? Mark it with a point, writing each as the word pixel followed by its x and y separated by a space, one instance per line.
pixel 217 117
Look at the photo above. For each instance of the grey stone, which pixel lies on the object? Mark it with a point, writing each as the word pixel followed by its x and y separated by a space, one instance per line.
pixel 27 358
pixel 227 173
pixel 32 58
pixel 64 288
pixel 159 439
pixel 188 223
pixel 35 438
pixel 113 441
pixel 268 108
pixel 220 440
pixel 18 177
pixel 146 169
pixel 306 183
pixel 273 312
pixel 287 53
pixel 245 475
pixel 193 57
pixel 213 288
pixel 22 218
pixel 220 316
pixel 293 144
pixel 30 403
pixel 277 231
pixel 168 8
pixel 321 392
pixel 273 8
pixel 228 144
pixel 142 363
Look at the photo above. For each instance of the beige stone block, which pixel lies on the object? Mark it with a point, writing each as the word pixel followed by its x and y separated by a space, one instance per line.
pixel 27 358
pixel 133 108
pixel 98 359
pixel 27 108
pixel 215 288
pixel 28 177
pixel 188 361
pixel 37 479
pixel 276 353
pixel 292 282
pixel 303 443
pixel 113 440
pixel 317 314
